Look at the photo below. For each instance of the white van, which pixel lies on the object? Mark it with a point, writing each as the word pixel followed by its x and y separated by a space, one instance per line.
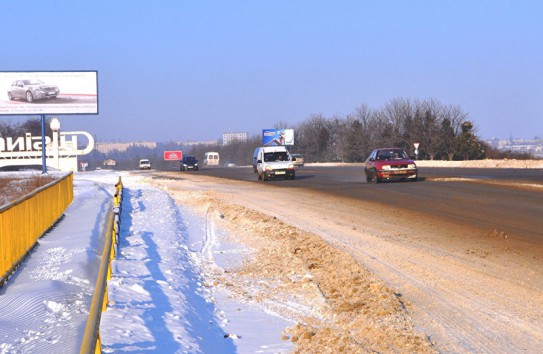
pixel 145 164
pixel 211 159
pixel 273 161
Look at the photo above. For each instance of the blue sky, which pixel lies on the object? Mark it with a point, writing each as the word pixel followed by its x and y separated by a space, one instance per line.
pixel 191 70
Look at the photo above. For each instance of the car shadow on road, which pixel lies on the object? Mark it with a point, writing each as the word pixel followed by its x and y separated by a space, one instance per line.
pixel 298 176
pixel 419 179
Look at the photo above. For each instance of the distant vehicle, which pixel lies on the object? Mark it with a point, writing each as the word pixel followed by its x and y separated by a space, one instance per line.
pixel 390 163
pixel 31 90
pixel 211 159
pixel 273 161
pixel 298 160
pixel 189 163
pixel 145 164
pixel 230 163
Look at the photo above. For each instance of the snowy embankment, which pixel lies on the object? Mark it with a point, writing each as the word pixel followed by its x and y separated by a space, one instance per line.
pixel 44 305
pixel 505 163
pixel 158 298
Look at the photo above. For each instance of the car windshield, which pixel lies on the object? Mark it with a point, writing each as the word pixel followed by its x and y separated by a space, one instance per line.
pixel 275 156
pixel 32 82
pixel 391 155
pixel 189 159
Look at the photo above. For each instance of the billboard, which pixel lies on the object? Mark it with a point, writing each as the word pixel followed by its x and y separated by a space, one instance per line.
pixel 48 92
pixel 173 155
pixel 277 137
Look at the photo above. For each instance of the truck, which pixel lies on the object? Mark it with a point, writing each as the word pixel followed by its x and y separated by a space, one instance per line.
pixel 273 162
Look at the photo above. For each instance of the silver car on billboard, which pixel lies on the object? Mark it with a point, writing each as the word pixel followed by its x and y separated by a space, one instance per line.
pixel 31 90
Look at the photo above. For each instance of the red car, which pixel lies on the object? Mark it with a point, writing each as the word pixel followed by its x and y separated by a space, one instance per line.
pixel 390 163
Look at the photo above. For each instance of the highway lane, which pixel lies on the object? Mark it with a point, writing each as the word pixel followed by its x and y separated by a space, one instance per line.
pixel 507 202
pixel 356 173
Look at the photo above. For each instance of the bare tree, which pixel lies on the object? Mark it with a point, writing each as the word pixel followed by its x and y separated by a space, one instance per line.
pixel 359 135
pixel 314 138
pixel 393 116
pixel 336 130
pixel 447 139
pixel 281 125
pixel 431 126
pixel 451 127
pixel 354 142
pixel 7 130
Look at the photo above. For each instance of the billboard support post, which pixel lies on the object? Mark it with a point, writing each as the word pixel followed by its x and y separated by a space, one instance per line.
pixel 43 152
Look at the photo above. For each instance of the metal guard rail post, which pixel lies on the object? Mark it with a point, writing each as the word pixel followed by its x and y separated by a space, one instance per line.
pixel 91 339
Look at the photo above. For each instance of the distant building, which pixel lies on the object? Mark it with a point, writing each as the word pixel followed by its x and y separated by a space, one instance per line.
pixel 228 138
pixel 192 143
pixel 531 146
pixel 106 148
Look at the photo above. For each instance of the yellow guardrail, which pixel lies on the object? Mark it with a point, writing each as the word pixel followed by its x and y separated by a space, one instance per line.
pixel 91 339
pixel 25 220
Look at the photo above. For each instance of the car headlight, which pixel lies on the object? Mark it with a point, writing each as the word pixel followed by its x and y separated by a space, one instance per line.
pixel 184 165
pixel 268 168
pixel 385 168
pixel 411 165
pixel 290 166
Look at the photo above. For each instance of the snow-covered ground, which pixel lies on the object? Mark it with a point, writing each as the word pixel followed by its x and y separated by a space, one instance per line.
pixel 162 296
pixel 44 305
pixel 505 163
pixel 158 298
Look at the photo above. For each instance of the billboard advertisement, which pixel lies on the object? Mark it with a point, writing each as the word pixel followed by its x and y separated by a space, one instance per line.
pixel 48 92
pixel 277 137
pixel 173 155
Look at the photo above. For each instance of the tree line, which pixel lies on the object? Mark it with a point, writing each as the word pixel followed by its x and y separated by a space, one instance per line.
pixel 442 132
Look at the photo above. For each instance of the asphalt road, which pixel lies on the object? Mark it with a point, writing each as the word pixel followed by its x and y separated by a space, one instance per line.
pixel 504 201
